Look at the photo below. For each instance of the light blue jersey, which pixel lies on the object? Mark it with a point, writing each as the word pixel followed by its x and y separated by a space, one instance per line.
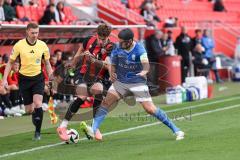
pixel 128 63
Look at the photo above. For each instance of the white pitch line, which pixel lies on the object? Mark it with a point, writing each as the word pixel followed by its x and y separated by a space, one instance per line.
pixel 203 104
pixel 114 132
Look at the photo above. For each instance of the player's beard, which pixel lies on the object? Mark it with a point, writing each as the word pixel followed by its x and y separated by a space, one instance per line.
pixel 126 45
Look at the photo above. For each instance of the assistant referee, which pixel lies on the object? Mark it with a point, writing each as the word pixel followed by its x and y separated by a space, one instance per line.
pixel 31 51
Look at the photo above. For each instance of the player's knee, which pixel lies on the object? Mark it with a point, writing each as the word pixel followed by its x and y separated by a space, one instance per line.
pixel 29 109
pixel 81 90
pixel 150 111
pixel 96 89
pixel 96 92
pixel 105 103
pixel 37 103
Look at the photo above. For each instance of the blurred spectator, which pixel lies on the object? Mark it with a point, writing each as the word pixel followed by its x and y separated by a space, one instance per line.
pixel 50 2
pixel 33 3
pixel 145 2
pixel 197 39
pixel 1 61
pixel 59 54
pixel 169 32
pixel 59 14
pixel 154 46
pixel 9 11
pixel 125 2
pixel 208 44
pixel 149 14
pixel 154 50
pixel 183 46
pixel 5 58
pixel 2 15
pixel 171 22
pixel 167 45
pixel 53 61
pixel 237 51
pixel 49 15
pixel 201 65
pixel 17 2
pixel 219 6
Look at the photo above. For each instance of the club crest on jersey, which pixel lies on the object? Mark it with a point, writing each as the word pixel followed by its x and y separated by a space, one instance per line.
pixel 133 57
pixel 37 61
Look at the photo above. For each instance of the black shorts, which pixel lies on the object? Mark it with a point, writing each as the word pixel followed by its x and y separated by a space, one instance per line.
pixel 29 86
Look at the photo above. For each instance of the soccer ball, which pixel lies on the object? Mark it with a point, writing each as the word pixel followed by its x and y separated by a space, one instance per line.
pixel 73 136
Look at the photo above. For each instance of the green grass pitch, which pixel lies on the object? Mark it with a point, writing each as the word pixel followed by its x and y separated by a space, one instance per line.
pixel 211 126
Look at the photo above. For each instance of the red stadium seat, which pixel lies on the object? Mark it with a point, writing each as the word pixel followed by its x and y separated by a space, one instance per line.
pixel 20 11
pixel 34 13
pixel 68 12
pixel 27 12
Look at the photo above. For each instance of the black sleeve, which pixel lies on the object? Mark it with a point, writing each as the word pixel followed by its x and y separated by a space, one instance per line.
pixel 85 42
pixel 155 46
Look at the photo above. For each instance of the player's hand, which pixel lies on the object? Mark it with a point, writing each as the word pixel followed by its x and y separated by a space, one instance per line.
pixel 5 84
pixel 113 77
pixel 142 74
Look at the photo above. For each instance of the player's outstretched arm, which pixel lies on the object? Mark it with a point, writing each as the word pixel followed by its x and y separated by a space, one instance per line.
pixel 78 56
pixel 145 64
pixel 113 75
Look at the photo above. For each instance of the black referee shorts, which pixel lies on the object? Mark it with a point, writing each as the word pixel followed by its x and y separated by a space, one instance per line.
pixel 29 86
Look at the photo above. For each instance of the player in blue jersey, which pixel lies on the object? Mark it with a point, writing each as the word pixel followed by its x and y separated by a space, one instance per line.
pixel 129 67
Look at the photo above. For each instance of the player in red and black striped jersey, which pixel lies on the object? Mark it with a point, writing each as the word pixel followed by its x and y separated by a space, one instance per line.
pixel 93 59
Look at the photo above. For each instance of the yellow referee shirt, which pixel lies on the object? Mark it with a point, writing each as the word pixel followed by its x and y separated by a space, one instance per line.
pixel 30 56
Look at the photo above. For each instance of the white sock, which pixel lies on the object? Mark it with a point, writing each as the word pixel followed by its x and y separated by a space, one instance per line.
pixel 64 124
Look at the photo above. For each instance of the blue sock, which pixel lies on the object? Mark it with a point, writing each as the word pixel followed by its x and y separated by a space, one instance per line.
pixel 99 117
pixel 162 116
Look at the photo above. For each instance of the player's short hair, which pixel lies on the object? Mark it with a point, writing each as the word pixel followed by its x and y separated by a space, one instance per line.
pixel 104 30
pixel 126 34
pixel 32 25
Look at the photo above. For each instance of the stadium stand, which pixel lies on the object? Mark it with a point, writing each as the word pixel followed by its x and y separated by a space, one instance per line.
pixel 193 14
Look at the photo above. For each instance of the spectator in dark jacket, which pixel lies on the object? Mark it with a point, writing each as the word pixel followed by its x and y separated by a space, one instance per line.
pixel 16 2
pixel 197 39
pixel 219 6
pixel 183 46
pixel 149 14
pixel 154 46
pixel 49 3
pixel 201 64
pixel 9 11
pixel 49 15
pixel 154 50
